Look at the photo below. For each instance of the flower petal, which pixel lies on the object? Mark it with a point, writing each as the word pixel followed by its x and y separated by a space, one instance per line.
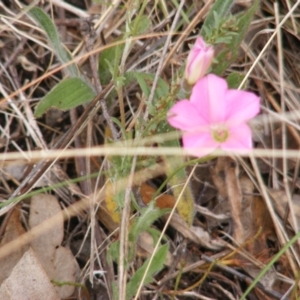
pixel 185 116
pixel 240 139
pixel 199 144
pixel 209 95
pixel 241 107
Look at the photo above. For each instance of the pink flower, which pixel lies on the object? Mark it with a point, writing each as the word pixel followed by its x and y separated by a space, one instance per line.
pixel 198 61
pixel 215 117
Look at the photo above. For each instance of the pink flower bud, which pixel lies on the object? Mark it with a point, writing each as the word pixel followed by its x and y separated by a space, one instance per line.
pixel 198 61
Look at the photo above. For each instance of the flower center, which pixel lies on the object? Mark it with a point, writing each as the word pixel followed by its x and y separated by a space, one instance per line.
pixel 220 134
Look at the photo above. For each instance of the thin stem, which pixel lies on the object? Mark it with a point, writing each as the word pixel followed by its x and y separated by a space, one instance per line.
pixel 88 33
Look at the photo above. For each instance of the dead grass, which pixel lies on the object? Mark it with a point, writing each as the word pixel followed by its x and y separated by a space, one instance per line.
pixel 204 261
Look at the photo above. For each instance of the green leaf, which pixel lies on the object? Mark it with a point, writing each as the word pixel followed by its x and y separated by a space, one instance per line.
pixel 144 85
pixel 244 22
pixel 113 253
pixel 223 39
pixel 145 81
pixel 154 234
pixel 67 94
pixel 148 215
pixel 142 223
pixel 219 10
pixel 234 80
pixel 156 265
pixel 141 25
pixel 46 23
pixel 229 54
pixel 108 59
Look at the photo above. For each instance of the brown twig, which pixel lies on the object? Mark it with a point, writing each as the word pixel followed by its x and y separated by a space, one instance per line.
pixel 89 35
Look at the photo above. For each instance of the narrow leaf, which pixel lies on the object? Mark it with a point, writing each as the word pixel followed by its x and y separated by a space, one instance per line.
pixel 219 10
pixel 234 80
pixel 108 58
pixel 227 56
pixel 67 94
pixel 145 81
pixel 141 24
pixel 46 23
pixel 149 214
pixel 156 265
